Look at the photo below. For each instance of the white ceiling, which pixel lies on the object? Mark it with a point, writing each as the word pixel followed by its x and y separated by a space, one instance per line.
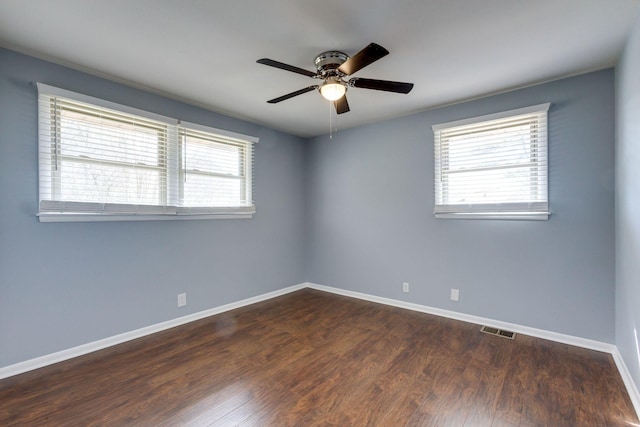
pixel 205 52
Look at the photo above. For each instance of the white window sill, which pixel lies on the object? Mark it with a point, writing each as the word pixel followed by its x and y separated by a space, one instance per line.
pixel 530 216
pixel 86 217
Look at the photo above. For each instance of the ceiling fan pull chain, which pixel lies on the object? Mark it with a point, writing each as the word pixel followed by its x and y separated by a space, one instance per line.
pixel 330 126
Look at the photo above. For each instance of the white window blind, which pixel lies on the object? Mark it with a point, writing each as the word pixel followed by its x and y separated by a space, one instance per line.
pixel 215 171
pixel 493 166
pixel 99 159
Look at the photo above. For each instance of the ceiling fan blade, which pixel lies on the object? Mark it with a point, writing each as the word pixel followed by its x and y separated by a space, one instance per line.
pixel 388 86
pixel 366 56
pixel 287 67
pixel 342 106
pixel 292 94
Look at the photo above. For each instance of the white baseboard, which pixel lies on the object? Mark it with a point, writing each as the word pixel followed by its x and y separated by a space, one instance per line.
pixel 49 359
pixel 83 349
pixel 634 395
pixel 539 333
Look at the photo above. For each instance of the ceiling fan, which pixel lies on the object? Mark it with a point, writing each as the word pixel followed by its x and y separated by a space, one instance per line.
pixel 333 67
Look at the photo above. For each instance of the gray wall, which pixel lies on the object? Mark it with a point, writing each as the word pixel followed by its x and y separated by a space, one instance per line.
pixel 371 225
pixel 628 205
pixel 63 285
pixel 354 212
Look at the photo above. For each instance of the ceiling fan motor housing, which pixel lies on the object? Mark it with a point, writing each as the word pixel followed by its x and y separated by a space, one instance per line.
pixel 327 62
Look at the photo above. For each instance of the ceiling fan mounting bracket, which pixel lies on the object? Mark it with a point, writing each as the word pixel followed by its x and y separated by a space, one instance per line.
pixel 328 62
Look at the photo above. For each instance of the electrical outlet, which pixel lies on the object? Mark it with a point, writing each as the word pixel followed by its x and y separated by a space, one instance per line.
pixel 182 300
pixel 405 287
pixel 455 295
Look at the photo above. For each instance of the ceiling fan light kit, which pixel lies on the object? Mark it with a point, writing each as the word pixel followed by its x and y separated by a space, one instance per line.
pixel 333 67
pixel 333 89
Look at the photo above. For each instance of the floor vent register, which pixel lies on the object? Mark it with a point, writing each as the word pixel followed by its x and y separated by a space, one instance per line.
pixel 498 332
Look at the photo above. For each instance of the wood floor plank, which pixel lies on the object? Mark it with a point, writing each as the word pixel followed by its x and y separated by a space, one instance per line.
pixel 311 358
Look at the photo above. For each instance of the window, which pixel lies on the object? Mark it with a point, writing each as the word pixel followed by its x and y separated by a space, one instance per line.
pixel 216 170
pixel 493 166
pixel 102 161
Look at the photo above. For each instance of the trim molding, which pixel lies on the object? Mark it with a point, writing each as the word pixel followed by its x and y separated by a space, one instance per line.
pixel 50 359
pixel 634 394
pixel 525 330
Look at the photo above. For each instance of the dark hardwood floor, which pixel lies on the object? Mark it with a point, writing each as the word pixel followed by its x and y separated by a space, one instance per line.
pixel 315 359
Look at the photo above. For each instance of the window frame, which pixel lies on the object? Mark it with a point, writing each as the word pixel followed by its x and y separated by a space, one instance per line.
pixel 233 139
pixel 535 209
pixel 51 207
